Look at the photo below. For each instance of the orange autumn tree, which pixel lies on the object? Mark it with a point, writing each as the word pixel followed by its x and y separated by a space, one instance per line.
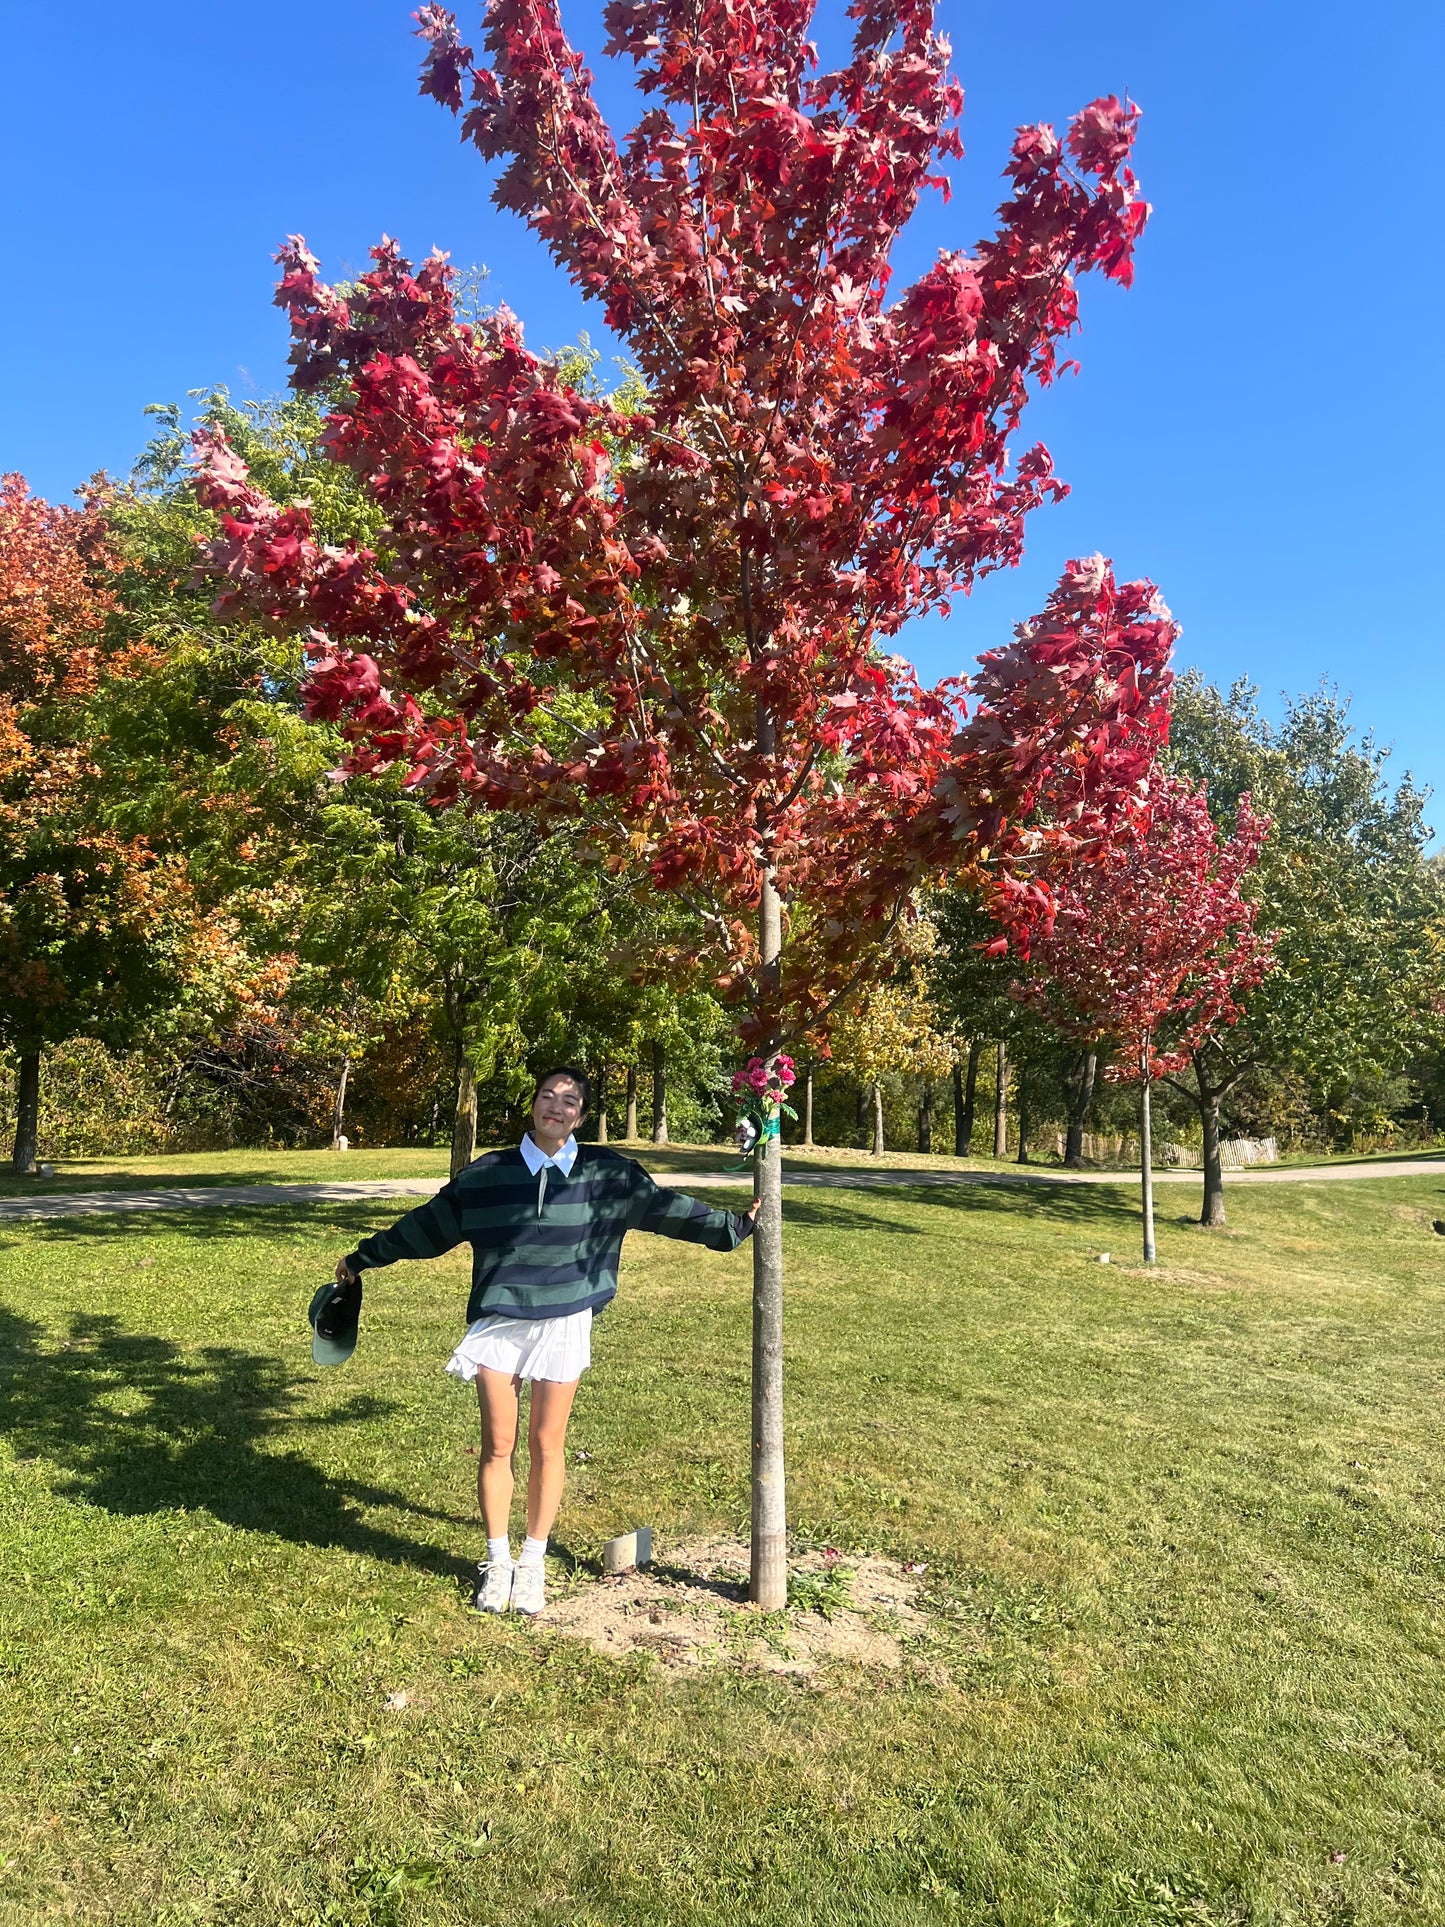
pixel 93 929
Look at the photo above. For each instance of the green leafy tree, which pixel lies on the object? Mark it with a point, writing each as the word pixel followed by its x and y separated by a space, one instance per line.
pixel 1343 879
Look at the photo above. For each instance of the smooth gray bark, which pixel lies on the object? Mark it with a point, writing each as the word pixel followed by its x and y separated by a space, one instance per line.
pixel 768 1579
pixel 630 1128
pixel 877 1120
pixel 659 1094
pixel 602 1103
pixel 1146 1170
pixel 338 1109
pixel 1000 1102
pixel 808 1108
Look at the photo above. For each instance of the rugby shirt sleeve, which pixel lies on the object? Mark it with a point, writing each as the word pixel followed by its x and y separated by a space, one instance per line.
pixel 671 1214
pixel 432 1229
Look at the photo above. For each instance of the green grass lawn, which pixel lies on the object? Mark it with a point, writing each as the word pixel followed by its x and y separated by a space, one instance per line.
pixel 1183 1535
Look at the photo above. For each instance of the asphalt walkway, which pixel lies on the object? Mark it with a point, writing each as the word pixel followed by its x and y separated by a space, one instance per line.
pixel 74 1204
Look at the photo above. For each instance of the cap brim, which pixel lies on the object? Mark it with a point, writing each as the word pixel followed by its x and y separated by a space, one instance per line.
pixel 332 1351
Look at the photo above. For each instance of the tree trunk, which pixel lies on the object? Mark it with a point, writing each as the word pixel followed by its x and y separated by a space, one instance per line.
pixel 1079 1089
pixel 1025 1095
pixel 338 1109
pixel 808 1108
pixel 659 1094
pixel 1146 1170
pixel 963 1134
pixel 768 1581
pixel 601 1103
pixel 27 1115
pixel 464 1125
pixel 630 1129
pixel 877 1119
pixel 1213 1209
pixel 1000 1103
pixel 925 1117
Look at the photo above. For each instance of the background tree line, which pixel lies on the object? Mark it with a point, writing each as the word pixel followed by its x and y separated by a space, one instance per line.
pixel 206 940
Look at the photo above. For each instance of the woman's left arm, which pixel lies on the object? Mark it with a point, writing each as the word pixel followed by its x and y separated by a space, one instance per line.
pixel 672 1214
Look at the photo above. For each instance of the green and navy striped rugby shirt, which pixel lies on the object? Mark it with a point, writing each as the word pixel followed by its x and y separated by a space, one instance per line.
pixel 545 1252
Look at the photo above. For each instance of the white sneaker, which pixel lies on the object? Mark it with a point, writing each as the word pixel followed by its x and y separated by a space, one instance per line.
pixel 494 1592
pixel 527 1588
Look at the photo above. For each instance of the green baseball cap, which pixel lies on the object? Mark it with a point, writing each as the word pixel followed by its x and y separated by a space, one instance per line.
pixel 334 1316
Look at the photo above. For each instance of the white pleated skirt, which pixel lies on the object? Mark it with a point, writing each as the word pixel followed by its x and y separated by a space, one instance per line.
pixel 527 1348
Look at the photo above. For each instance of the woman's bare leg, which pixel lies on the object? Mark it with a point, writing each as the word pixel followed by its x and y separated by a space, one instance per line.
pixel 546 1448
pixel 497 1395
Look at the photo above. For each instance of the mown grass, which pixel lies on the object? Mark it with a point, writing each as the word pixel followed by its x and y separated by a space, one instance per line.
pixel 1183 1536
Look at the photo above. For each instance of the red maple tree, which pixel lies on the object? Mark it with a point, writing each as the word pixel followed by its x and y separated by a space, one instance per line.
pixel 1153 944
pixel 674 619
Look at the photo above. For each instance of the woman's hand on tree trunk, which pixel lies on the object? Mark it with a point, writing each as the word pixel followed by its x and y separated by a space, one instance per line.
pixel 751 1214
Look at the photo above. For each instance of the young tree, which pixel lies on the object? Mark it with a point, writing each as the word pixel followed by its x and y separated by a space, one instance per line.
pixel 674 615
pixel 1154 946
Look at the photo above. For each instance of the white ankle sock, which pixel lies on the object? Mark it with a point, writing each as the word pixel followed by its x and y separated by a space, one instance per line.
pixel 499 1551
pixel 533 1552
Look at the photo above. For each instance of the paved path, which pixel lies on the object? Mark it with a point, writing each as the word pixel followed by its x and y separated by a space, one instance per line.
pixel 74 1204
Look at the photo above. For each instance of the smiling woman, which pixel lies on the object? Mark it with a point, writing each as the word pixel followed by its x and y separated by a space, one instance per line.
pixel 545 1222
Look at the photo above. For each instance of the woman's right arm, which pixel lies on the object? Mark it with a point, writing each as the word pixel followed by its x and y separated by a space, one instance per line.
pixel 431 1230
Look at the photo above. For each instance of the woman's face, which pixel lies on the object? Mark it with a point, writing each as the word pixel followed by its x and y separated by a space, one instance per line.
pixel 556 1109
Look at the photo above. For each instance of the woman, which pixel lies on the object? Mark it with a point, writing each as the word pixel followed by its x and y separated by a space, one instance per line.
pixel 546 1223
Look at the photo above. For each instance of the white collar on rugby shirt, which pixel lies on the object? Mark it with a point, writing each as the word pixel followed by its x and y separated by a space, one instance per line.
pixel 536 1159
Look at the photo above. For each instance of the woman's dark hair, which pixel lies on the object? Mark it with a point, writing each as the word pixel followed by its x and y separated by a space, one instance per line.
pixel 573 1076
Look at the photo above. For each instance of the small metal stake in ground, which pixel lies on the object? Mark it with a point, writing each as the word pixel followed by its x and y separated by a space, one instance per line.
pixel 628 1550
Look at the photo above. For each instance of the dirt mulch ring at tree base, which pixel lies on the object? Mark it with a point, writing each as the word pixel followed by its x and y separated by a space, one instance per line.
pixel 690 1609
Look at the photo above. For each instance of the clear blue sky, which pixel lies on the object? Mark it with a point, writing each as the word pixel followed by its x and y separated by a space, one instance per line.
pixel 1257 425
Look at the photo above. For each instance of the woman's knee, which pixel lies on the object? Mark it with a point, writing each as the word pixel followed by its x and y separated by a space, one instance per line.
pixel 547 1442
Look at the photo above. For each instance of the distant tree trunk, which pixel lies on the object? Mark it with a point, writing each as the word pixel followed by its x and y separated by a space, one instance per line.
pixel 602 1103
pixel 464 1126
pixel 338 1109
pixel 27 1115
pixel 963 1124
pixel 808 1108
pixel 659 1094
pixel 1079 1091
pixel 925 1117
pixel 1025 1104
pixel 630 1128
pixel 877 1120
pixel 1146 1168
pixel 1209 1096
pixel 1000 1103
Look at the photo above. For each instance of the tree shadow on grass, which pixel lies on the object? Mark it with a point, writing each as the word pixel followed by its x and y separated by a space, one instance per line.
pixel 1085 1207
pixel 137 1425
pixel 306 1218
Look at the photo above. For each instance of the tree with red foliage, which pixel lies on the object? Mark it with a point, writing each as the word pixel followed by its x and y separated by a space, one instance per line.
pixel 673 619
pixel 88 928
pixel 1154 945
